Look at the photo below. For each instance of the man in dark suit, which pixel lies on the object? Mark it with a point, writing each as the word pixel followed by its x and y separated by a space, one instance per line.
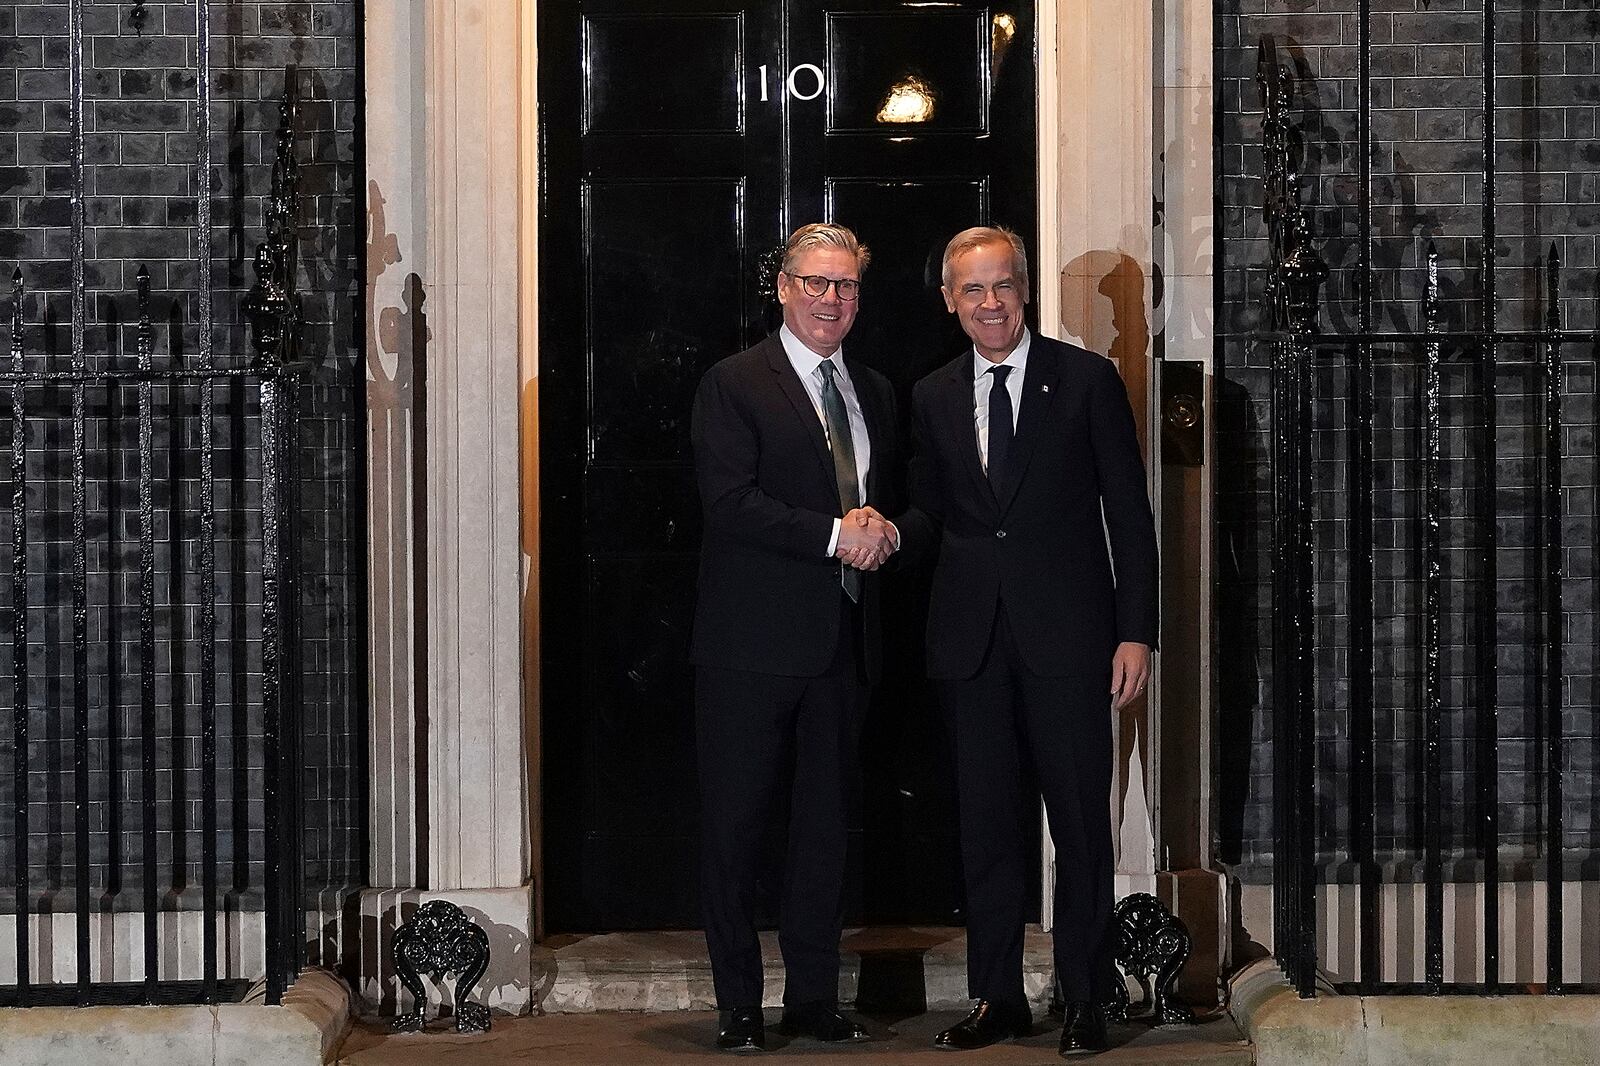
pixel 1026 466
pixel 792 442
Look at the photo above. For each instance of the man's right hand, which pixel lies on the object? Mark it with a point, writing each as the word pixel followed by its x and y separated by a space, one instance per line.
pixel 864 539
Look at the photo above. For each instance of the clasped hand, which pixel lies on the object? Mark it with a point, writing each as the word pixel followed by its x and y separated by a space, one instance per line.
pixel 865 539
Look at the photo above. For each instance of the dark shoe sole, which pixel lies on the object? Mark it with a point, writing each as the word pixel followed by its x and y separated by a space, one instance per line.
pixel 1078 1052
pixel 798 1033
pixel 980 1047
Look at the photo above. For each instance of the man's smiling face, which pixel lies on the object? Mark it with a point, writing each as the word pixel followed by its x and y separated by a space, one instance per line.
pixel 987 293
pixel 820 322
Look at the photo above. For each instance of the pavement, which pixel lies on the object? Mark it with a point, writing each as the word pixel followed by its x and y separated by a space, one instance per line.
pixel 625 1038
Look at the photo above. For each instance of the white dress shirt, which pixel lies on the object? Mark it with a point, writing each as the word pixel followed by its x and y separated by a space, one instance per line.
pixel 805 363
pixel 983 384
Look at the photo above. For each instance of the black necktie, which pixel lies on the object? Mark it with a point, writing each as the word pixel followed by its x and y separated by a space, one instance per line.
pixel 1000 426
pixel 844 463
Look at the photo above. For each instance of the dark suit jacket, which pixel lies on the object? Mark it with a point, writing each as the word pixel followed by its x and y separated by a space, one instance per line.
pixel 1040 547
pixel 769 595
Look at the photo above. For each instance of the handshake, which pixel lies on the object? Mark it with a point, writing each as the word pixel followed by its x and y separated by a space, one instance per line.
pixel 866 539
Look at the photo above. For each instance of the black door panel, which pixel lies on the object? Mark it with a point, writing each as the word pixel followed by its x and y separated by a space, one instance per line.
pixel 671 163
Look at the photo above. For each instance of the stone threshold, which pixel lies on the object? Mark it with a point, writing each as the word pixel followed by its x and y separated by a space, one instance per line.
pixel 305 1030
pixel 632 1038
pixel 899 968
pixel 1335 1030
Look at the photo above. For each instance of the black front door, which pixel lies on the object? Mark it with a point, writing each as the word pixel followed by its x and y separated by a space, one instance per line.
pixel 681 141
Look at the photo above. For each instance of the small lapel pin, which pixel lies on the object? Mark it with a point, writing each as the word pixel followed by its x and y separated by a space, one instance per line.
pixel 1044 388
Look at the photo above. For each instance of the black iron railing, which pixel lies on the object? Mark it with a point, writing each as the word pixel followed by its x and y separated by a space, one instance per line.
pixel 133 775
pixel 1307 847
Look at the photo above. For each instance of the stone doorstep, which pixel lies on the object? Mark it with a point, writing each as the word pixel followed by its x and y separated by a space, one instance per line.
pixel 890 968
pixel 634 1038
pixel 305 1031
pixel 1333 1030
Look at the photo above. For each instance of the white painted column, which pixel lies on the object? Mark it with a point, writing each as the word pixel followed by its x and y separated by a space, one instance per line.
pixel 446 161
pixel 477 799
pixel 1104 246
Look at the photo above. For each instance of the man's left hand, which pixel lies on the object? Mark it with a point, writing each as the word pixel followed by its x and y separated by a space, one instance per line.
pixel 1130 672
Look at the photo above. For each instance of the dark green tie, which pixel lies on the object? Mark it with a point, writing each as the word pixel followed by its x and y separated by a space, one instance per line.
pixel 844 464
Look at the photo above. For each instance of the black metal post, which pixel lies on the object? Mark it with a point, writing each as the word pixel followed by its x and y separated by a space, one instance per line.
pixel 19 646
pixel 1432 700
pixel 274 313
pixel 1284 689
pixel 148 790
pixel 80 577
pixel 1487 760
pixel 278 927
pixel 208 517
pixel 1305 673
pixel 1362 664
pixel 1292 303
pixel 1554 631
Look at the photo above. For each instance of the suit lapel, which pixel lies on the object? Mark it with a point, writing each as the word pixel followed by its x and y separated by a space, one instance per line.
pixel 1040 385
pixel 800 400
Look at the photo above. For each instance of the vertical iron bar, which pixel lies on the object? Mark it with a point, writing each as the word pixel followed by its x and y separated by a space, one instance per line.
pixel 1433 704
pixel 1293 679
pixel 19 643
pixel 289 665
pixel 1361 563
pixel 80 691
pixel 271 690
pixel 208 520
pixel 1554 628
pixel 149 800
pixel 1487 762
pixel 1283 689
pixel 80 579
pixel 1306 672
pixel 274 312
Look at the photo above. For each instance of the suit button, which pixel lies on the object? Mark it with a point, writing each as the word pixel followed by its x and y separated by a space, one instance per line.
pixel 1000 533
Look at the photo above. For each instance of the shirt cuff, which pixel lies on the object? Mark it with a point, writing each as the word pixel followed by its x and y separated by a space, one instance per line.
pixel 833 541
pixel 894 535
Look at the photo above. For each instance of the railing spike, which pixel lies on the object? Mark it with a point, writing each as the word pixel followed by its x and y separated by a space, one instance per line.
pixel 1553 290
pixel 273 306
pixel 146 333
pixel 16 320
pixel 1430 292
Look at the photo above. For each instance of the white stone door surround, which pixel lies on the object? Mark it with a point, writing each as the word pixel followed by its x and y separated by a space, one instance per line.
pixel 452 301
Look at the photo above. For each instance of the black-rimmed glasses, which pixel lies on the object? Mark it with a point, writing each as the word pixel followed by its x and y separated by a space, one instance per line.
pixel 817 285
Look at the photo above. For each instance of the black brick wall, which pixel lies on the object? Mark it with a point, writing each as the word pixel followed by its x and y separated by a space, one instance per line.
pixel 142 186
pixel 1427 164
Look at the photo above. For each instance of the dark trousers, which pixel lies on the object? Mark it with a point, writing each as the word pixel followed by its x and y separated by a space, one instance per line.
pixel 1004 722
pixel 750 729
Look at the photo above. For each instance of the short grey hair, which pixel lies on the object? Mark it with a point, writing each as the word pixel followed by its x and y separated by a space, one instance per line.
pixel 824 234
pixel 982 237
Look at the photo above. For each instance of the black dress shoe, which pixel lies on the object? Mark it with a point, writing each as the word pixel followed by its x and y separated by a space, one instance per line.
pixel 988 1023
pixel 1083 1031
pixel 820 1021
pixel 743 1030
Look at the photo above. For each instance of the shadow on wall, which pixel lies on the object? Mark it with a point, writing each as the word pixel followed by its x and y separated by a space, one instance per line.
pixel 396 398
pixel 1115 326
pixel 1103 304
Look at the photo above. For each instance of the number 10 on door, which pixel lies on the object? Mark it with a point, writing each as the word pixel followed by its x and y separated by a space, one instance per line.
pixel 806 75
